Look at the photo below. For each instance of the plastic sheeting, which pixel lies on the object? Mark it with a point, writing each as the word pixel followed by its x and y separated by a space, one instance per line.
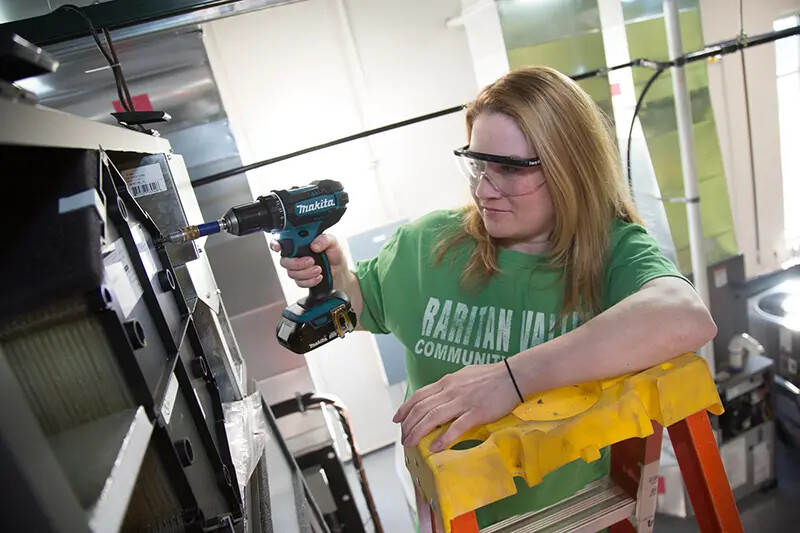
pixel 246 426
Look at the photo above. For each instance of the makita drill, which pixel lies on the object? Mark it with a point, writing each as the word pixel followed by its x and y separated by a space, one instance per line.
pixel 297 216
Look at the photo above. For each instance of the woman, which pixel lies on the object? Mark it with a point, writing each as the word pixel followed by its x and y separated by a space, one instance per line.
pixel 551 242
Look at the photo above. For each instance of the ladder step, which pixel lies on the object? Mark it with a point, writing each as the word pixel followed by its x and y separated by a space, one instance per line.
pixel 598 505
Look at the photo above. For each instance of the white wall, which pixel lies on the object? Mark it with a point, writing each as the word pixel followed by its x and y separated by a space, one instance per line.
pixel 720 21
pixel 310 72
pixel 487 47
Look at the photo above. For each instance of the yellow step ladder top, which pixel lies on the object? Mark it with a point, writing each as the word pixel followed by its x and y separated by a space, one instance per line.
pixel 557 427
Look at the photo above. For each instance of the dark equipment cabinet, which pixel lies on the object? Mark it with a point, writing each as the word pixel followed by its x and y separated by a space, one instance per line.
pixel 96 332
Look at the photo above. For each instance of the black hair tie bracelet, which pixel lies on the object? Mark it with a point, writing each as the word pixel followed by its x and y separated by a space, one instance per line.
pixel 514 381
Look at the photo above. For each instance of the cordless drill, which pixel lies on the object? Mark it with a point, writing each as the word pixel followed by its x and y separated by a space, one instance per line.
pixel 297 216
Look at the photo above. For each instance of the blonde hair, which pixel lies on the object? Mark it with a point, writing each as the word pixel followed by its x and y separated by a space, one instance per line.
pixel 581 166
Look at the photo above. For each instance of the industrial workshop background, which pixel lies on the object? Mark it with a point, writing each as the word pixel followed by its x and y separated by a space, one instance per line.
pixel 249 80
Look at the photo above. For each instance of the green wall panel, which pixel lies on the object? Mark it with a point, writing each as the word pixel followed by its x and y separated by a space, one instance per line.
pixel 566 35
pixel 647 38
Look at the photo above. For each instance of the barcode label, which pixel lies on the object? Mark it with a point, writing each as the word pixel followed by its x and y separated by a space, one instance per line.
pixel 147 188
pixel 145 180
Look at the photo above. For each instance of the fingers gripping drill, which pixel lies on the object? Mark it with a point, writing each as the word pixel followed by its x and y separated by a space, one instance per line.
pixel 297 216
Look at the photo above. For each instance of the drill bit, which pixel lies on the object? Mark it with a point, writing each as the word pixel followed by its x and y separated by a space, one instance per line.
pixel 191 233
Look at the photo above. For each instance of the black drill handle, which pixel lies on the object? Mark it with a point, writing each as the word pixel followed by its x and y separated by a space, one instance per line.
pixel 322 291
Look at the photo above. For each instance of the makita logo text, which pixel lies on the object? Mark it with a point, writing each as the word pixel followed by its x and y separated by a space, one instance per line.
pixel 316 206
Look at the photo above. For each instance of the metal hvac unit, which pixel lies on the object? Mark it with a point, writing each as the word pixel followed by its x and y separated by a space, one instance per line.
pixel 121 383
pixel 95 330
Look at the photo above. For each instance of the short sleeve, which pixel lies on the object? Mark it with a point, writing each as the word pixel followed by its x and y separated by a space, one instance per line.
pixel 371 275
pixel 635 259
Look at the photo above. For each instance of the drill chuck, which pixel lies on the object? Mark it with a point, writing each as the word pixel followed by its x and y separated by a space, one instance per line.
pixel 265 214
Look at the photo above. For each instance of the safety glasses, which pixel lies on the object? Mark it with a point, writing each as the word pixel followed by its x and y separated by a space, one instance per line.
pixel 511 176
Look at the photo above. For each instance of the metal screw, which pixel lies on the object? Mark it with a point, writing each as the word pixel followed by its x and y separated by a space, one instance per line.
pixel 346 498
pixel 331 455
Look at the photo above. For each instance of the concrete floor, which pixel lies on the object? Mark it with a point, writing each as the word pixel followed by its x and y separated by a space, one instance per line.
pixel 386 492
pixel 777 510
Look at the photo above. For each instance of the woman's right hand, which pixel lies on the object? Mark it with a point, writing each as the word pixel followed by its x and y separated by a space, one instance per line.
pixel 303 270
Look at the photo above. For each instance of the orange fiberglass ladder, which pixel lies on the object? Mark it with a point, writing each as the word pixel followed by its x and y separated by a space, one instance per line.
pixel 557 427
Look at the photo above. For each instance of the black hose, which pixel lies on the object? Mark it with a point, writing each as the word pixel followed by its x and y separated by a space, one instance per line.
pixel 354 137
pixel 122 90
pixel 308 401
pixel 341 410
pixel 639 102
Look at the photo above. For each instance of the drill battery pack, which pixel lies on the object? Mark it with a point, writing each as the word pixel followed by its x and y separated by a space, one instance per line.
pixel 303 327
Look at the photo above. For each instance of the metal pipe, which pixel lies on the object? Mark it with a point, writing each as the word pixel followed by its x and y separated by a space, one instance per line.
pixel 683 115
pixel 747 115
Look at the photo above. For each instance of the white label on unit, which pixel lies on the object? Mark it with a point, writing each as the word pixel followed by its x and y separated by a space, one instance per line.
pixel 720 277
pixel 762 464
pixel 121 276
pixel 734 458
pixel 145 180
pixel 169 398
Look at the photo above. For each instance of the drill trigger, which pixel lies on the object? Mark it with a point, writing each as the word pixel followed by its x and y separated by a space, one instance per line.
pixel 287 247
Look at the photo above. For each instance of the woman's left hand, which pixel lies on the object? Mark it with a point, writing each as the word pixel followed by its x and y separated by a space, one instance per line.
pixel 474 395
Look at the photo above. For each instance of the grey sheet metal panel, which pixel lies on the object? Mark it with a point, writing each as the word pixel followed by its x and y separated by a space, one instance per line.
pixel 223 357
pixel 134 18
pixel 165 206
pixel 255 333
pixel 38 126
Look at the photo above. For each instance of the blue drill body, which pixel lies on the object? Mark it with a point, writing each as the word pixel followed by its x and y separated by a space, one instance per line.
pixel 296 217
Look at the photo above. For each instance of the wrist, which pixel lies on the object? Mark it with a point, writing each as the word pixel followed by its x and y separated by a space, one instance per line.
pixel 529 371
pixel 343 279
pixel 512 380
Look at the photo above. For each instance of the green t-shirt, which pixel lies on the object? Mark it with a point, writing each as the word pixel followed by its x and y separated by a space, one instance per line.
pixel 445 327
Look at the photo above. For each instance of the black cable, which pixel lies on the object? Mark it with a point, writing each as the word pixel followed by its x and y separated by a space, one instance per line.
pixel 119 77
pixel 246 168
pixel 113 64
pixel 309 400
pixel 117 69
pixel 639 102
pixel 747 114
pixel 359 465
